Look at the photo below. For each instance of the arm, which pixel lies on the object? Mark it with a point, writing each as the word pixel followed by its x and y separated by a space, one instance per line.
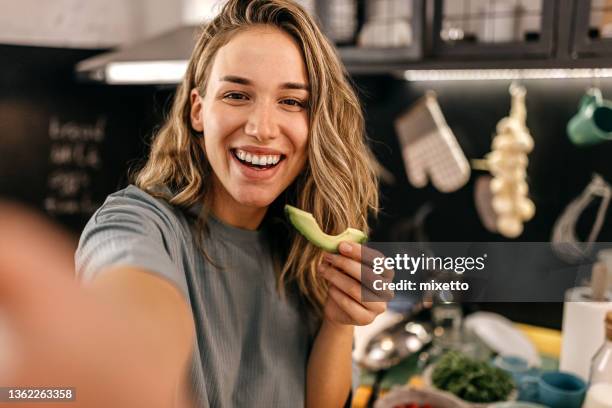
pixel 329 369
pixel 161 321
pixel 328 376
pixel 123 342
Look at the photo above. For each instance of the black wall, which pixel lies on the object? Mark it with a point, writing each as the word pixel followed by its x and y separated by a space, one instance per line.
pixel 558 171
pixel 65 145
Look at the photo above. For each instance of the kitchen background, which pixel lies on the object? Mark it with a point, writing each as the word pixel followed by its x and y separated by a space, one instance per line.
pixel 67 139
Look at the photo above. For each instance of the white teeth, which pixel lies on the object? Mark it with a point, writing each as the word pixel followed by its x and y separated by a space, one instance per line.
pixel 258 160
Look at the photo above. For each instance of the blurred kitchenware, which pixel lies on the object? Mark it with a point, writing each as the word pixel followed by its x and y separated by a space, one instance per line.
pixel 395 344
pixel 391 346
pixel 516 366
pixel 499 334
pixel 386 33
pixel 556 389
pixel 341 19
pixel 606 20
pixel 363 334
pixel 565 243
pixel 387 24
pixel 405 396
pixel 593 122
pixel 516 404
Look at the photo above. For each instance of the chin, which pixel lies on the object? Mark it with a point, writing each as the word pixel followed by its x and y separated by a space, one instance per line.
pixel 254 199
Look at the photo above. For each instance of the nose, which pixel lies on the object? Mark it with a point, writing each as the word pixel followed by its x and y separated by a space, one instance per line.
pixel 261 122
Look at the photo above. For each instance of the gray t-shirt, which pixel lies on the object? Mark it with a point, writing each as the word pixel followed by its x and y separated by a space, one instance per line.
pixel 251 346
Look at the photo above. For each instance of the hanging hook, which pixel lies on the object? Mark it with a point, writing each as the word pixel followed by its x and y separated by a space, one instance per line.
pixel 517 108
pixel 596 78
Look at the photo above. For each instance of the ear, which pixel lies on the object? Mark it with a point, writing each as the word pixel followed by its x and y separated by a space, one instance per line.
pixel 196 111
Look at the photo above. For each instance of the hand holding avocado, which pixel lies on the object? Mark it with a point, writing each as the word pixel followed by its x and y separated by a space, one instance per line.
pixel 343 267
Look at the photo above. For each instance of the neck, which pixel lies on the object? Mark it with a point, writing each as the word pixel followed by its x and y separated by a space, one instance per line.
pixel 227 210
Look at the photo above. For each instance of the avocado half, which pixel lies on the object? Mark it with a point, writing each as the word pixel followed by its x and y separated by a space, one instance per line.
pixel 306 225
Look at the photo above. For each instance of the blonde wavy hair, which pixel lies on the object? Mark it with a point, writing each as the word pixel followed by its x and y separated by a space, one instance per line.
pixel 338 185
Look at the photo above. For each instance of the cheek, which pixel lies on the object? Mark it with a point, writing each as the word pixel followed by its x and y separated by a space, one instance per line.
pixel 221 121
pixel 299 136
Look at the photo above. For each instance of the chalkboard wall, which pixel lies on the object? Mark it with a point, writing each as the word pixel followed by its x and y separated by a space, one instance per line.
pixel 65 145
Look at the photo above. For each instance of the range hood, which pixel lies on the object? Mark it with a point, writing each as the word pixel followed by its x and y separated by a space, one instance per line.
pixel 159 60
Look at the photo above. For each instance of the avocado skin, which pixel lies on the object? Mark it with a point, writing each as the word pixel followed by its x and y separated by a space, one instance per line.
pixel 306 225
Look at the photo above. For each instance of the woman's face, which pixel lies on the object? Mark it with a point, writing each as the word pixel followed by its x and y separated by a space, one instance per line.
pixel 254 116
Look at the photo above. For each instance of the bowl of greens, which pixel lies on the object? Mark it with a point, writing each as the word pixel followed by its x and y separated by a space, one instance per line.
pixel 476 382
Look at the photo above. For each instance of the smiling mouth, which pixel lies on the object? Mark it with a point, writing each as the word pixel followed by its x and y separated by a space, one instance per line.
pixel 259 162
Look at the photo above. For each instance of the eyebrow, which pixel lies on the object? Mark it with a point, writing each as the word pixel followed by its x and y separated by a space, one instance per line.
pixel 244 81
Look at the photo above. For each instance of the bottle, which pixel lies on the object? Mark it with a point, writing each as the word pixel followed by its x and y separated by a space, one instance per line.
pixel 599 394
pixel 601 364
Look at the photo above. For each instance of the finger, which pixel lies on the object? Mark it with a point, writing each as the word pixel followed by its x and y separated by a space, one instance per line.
pixel 360 272
pixel 341 281
pixel 358 313
pixel 351 250
pixel 365 256
pixel 349 266
pixel 355 289
pixel 368 255
pixel 373 283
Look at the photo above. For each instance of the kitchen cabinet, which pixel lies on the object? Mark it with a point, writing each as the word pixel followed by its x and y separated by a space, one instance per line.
pixel 468 34
pixel 592 29
pixel 374 33
pixel 493 29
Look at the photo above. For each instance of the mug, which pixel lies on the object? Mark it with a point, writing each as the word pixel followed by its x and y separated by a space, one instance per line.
pixel 525 377
pixel 554 389
pixel 593 122
pixel 516 366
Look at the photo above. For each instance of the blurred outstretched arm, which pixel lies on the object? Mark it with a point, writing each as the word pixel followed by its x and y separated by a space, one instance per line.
pixel 125 341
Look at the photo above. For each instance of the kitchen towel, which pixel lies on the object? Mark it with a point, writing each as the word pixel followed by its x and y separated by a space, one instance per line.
pixel 583 330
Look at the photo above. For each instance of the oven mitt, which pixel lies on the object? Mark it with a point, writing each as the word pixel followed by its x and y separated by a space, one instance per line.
pixel 429 148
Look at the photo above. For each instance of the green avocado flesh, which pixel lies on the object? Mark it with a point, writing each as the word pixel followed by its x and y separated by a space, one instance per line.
pixel 306 225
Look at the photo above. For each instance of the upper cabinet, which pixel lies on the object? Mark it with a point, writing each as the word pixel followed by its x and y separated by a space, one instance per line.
pixel 493 28
pixel 390 35
pixel 374 33
pixel 593 29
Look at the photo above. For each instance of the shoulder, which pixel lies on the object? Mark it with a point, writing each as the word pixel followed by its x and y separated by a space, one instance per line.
pixel 133 204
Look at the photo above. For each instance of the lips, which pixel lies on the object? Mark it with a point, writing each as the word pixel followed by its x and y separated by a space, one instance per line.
pixel 257 161
pixel 256 171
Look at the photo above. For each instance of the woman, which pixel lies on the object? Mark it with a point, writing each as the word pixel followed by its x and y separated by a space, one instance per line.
pixel 195 256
